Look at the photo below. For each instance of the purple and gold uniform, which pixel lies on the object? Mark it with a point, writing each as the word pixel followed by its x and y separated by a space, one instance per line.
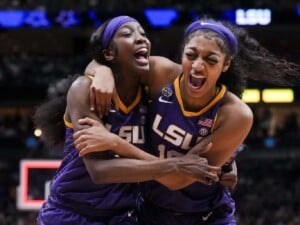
pixel 174 131
pixel 75 199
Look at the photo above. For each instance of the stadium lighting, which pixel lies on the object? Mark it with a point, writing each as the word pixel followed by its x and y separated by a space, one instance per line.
pixel 278 95
pixel 37 132
pixel 251 96
pixel 11 18
pixel 161 17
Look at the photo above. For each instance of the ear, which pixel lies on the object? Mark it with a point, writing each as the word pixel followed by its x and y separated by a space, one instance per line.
pixel 108 55
pixel 226 65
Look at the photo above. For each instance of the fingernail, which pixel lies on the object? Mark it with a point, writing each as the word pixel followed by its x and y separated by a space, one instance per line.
pixel 92 108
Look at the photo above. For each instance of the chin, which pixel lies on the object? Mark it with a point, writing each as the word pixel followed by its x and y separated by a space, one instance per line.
pixel 143 69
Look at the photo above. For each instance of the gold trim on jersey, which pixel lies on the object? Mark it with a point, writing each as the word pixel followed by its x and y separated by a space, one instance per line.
pixel 215 121
pixel 90 76
pixel 133 104
pixel 220 94
pixel 121 104
pixel 67 123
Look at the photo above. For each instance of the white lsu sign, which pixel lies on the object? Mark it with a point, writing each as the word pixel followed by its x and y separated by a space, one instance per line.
pixel 253 16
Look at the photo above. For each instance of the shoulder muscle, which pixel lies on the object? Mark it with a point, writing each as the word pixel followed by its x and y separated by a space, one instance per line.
pixel 78 101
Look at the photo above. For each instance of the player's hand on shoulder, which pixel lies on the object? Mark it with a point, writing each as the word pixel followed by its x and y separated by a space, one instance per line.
pixel 102 91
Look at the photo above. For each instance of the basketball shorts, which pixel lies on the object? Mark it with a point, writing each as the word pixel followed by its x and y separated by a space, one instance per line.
pixel 150 214
pixel 51 215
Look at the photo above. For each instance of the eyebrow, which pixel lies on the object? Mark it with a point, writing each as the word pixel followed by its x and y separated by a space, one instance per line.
pixel 211 53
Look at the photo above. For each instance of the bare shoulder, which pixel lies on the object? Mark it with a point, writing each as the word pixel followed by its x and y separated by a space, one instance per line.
pixel 235 110
pixel 90 68
pixel 80 84
pixel 162 72
pixel 161 65
pixel 78 101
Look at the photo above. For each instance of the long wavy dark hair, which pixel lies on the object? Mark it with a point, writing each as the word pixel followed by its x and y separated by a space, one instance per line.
pixel 49 115
pixel 253 62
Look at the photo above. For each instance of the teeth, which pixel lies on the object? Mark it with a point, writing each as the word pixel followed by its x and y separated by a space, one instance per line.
pixel 142 51
pixel 198 77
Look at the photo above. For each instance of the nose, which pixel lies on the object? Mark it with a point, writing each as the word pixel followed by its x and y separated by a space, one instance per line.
pixel 198 64
pixel 140 38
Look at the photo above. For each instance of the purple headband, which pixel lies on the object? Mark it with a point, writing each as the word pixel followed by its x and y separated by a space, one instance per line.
pixel 112 28
pixel 223 31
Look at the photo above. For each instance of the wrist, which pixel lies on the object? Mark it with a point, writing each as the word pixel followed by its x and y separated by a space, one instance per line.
pixel 173 165
pixel 116 142
pixel 181 164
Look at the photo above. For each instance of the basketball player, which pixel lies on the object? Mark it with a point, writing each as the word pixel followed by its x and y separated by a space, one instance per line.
pixel 202 100
pixel 76 197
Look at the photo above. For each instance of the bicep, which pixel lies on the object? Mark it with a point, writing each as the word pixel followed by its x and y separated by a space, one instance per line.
pixel 162 72
pixel 228 136
pixel 78 102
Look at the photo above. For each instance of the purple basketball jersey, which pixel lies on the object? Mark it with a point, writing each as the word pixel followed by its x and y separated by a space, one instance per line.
pixel 174 131
pixel 72 187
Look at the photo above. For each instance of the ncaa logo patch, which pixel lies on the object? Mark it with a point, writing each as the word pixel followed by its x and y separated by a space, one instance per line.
pixel 167 92
pixel 203 131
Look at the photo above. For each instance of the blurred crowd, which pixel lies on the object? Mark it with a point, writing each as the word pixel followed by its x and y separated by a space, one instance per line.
pixel 24 70
pixel 268 192
pixel 135 5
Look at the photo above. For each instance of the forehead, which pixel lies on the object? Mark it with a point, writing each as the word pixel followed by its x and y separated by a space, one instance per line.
pixel 203 42
pixel 131 25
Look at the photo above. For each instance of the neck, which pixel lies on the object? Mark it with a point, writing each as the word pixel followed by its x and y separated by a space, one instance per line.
pixel 127 88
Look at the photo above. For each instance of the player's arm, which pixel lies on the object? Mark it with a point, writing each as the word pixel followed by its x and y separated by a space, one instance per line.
pixel 162 72
pixel 97 138
pixel 77 100
pixel 102 167
pixel 78 108
pixel 229 178
pixel 102 91
pixel 230 131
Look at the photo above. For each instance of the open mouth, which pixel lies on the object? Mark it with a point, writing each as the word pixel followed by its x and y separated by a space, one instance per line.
pixel 197 81
pixel 142 56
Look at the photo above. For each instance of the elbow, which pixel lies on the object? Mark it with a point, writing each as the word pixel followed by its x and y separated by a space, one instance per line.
pixel 95 177
pixel 99 172
pixel 98 176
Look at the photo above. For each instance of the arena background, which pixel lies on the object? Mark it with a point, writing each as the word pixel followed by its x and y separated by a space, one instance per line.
pixel 42 41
